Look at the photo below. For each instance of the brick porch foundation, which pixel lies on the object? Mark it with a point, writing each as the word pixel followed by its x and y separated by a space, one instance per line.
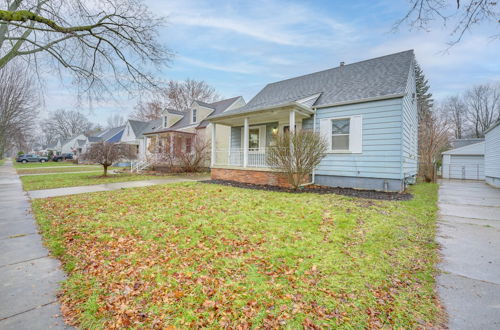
pixel 250 176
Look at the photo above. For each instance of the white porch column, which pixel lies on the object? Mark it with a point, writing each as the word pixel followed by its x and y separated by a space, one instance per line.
pixel 245 143
pixel 292 121
pixel 214 145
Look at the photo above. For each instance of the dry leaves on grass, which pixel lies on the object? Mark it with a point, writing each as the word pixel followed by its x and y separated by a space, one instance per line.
pixel 194 255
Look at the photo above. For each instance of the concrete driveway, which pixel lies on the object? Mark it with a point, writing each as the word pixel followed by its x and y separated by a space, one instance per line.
pixel 469 233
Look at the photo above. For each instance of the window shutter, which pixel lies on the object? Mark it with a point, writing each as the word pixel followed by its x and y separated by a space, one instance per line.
pixel 356 134
pixel 325 129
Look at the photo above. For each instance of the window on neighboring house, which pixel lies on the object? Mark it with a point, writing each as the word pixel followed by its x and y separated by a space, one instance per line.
pixel 165 122
pixel 340 134
pixel 193 112
pixel 188 145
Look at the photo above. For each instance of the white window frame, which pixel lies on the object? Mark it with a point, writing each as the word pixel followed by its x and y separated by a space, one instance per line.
pixel 262 138
pixel 165 121
pixel 349 135
pixel 194 115
pixel 355 141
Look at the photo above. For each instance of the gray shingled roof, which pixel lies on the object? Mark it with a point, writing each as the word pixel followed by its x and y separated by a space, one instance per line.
pixel 94 139
pixel 377 77
pixel 185 121
pixel 219 107
pixel 151 126
pixel 138 126
pixel 109 133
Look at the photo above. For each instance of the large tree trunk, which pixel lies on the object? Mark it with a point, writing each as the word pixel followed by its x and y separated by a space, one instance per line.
pixel 105 170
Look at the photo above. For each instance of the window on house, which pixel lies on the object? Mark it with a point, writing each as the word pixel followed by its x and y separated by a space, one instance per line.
pixel 165 122
pixel 340 134
pixel 188 145
pixel 253 138
pixel 193 112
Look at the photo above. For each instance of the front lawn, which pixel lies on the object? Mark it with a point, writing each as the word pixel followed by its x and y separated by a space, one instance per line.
pixel 60 169
pixel 38 164
pixel 203 255
pixel 37 182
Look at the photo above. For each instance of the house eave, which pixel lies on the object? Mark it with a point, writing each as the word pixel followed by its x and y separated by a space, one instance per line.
pixel 368 99
pixel 302 108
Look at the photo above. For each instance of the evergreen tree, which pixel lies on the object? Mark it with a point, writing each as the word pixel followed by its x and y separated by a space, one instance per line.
pixel 425 101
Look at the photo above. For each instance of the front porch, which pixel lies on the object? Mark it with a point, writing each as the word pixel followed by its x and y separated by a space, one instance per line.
pixel 253 134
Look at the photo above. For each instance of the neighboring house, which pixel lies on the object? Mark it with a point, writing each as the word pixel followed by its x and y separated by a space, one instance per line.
pixel 75 145
pixel 492 155
pixel 466 163
pixel 366 111
pixel 177 130
pixel 55 147
pixel 133 134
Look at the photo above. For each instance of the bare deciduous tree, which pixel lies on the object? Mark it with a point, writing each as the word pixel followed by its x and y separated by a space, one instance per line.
pixel 147 110
pixel 178 95
pixel 115 120
pixel 433 139
pixel 456 112
pixel 194 157
pixel 91 40
pixel 18 107
pixel 461 15
pixel 106 154
pixel 483 103
pixel 297 154
pixel 63 124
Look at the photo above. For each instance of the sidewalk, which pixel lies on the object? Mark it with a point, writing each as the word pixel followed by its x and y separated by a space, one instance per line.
pixel 29 277
pixel 106 187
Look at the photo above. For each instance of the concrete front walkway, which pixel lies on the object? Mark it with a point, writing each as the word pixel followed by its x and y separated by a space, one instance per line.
pixel 29 278
pixel 469 233
pixel 107 187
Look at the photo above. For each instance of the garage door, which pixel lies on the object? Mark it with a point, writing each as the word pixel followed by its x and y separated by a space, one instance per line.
pixel 466 167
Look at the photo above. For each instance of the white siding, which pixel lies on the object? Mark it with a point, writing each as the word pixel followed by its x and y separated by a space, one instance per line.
pixel 492 156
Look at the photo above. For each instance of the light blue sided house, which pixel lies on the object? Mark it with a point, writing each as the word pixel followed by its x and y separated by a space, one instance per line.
pixel 367 111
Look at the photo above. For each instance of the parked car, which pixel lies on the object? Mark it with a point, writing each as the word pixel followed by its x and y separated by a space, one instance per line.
pixel 30 158
pixel 60 157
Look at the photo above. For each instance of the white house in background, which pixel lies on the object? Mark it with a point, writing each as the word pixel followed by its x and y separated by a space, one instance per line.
pixel 75 145
pixel 132 134
pixel 55 147
pixel 466 163
pixel 492 155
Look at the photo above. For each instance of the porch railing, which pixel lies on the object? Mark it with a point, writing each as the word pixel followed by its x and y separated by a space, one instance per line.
pixel 234 157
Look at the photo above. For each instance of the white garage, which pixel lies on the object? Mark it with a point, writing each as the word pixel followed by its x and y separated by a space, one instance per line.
pixel 492 155
pixel 465 163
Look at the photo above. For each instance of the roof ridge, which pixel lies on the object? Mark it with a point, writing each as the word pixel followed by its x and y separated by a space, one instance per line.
pixel 337 67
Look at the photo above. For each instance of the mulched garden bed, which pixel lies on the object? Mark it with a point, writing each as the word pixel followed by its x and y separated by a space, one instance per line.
pixel 371 194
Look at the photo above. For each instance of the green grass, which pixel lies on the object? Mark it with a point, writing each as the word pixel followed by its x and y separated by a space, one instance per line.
pixel 200 255
pixel 63 169
pixel 37 182
pixel 2 161
pixel 46 164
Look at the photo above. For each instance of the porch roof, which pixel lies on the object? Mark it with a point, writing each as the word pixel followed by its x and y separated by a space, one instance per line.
pixel 265 114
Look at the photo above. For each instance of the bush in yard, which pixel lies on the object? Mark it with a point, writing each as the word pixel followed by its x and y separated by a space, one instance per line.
pixel 194 157
pixel 296 154
pixel 106 154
